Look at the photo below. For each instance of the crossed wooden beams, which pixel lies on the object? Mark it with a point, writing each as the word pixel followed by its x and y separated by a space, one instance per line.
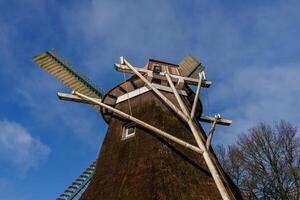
pixel 182 112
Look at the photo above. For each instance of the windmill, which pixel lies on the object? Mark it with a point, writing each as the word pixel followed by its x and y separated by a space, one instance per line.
pixel 155 147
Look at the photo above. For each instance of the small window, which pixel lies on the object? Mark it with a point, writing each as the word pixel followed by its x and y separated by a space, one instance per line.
pixel 128 131
pixel 156 69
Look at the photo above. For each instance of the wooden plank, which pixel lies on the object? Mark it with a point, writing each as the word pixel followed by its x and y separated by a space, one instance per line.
pixel 133 85
pixel 221 121
pixel 191 81
pixel 39 57
pixel 84 90
pixel 122 89
pixel 76 84
pixel 70 97
pixel 47 62
pixel 44 60
pixel 48 65
pixel 128 86
pixel 57 72
pixel 53 68
pixel 196 97
pixel 58 67
pixel 65 77
pixel 69 79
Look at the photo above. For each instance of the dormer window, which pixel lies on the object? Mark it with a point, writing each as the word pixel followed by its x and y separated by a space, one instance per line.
pixel 128 131
pixel 156 69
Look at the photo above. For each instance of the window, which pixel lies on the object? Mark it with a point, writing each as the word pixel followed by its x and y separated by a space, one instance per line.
pixel 128 131
pixel 156 69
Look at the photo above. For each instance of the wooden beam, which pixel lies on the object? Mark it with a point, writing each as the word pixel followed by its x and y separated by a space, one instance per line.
pixel 210 164
pixel 139 122
pixel 178 98
pixel 212 168
pixel 191 81
pixel 74 98
pixel 196 96
pixel 210 133
pixel 225 122
pixel 156 91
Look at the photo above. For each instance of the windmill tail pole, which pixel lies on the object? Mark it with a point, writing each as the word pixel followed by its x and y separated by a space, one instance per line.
pixel 206 156
pixel 141 123
pixel 220 185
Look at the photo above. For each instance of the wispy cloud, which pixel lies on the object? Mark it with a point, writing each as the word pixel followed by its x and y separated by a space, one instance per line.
pixel 19 147
pixel 34 91
pixel 239 47
pixel 252 95
pixel 248 51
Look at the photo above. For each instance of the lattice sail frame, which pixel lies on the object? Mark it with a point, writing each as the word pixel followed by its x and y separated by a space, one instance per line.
pixel 66 73
pixel 76 189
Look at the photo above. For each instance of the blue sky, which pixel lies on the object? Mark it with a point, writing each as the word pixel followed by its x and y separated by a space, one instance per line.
pixel 250 50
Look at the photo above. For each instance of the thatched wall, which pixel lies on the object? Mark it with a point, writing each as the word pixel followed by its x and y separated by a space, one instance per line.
pixel 147 167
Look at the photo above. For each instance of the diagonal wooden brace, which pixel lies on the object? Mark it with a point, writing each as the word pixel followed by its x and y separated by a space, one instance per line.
pixel 221 121
pixel 201 76
pixel 123 67
pixel 78 97
pixel 212 130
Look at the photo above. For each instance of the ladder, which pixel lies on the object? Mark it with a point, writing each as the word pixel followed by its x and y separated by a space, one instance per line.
pixel 76 189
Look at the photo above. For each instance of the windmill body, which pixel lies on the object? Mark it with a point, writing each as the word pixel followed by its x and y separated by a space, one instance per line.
pixel 154 147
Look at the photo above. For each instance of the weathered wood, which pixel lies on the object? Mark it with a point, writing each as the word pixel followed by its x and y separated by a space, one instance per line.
pixel 196 97
pixel 210 133
pixel 81 98
pixel 213 170
pixel 166 100
pixel 71 97
pixel 140 122
pixel 192 81
pixel 179 100
pixel 225 122
pixel 63 71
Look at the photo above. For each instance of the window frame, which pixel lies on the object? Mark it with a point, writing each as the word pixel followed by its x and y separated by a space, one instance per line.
pixel 157 69
pixel 125 130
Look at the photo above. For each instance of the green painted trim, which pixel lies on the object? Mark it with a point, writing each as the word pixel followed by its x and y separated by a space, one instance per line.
pixel 75 72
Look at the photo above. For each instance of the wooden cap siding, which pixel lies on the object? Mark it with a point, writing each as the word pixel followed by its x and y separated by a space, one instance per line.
pixel 133 83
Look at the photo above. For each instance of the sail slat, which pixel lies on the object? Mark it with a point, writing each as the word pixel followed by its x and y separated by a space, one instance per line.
pixel 58 67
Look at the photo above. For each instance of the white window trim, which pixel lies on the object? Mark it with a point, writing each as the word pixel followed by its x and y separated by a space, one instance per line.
pixel 125 129
pixel 145 89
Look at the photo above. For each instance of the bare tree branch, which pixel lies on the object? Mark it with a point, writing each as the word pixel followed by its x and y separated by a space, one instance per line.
pixel 265 161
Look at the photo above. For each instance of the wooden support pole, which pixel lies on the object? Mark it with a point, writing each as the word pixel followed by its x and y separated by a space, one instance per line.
pixel 189 80
pixel 210 164
pixel 156 91
pixel 178 98
pixel 70 97
pixel 210 133
pixel 196 96
pixel 208 160
pixel 220 121
pixel 139 122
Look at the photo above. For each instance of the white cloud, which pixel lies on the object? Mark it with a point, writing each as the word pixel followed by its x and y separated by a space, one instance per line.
pixel 19 147
pixel 242 50
pixel 97 32
pixel 254 94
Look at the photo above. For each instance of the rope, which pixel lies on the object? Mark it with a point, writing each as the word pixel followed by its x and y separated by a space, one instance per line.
pixel 127 94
